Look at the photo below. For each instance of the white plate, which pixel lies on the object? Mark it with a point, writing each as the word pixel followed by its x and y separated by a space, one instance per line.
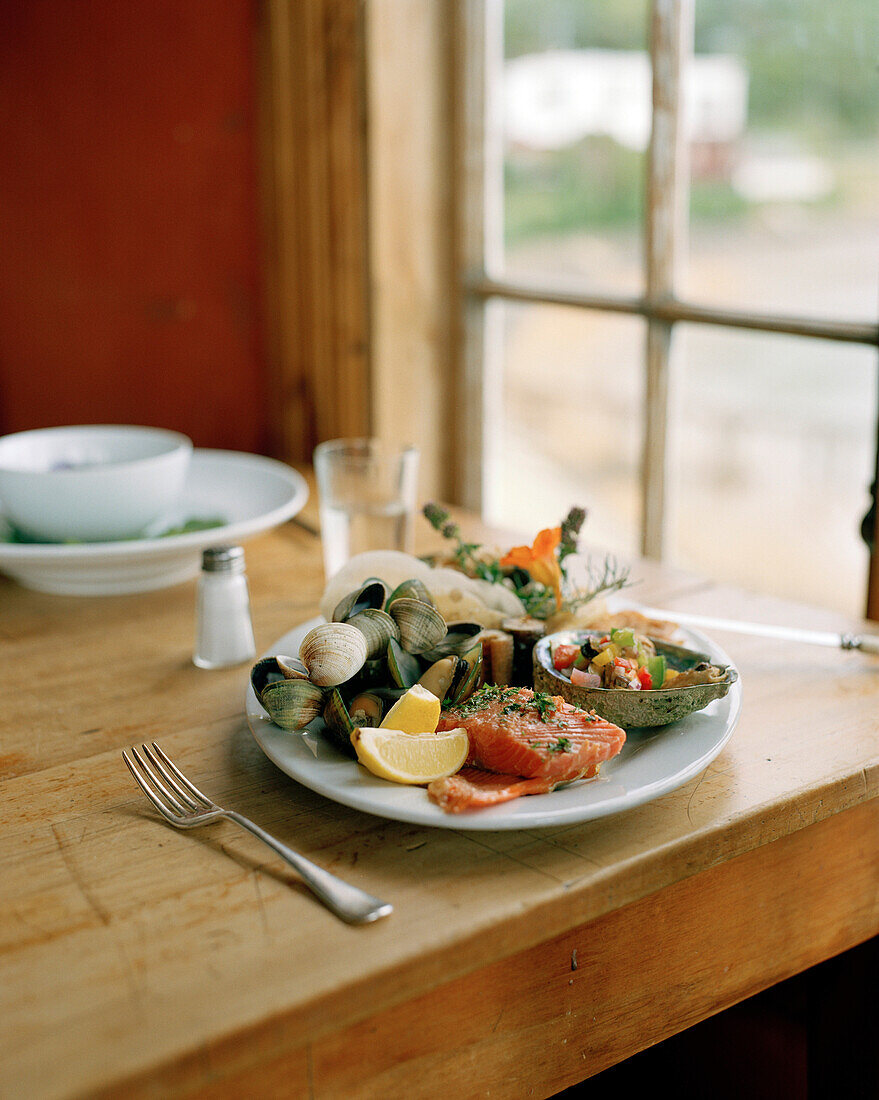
pixel 249 492
pixel 652 763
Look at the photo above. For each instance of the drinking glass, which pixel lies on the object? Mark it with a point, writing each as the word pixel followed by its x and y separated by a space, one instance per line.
pixel 367 491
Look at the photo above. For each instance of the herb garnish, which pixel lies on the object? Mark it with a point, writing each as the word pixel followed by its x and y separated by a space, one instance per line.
pixel 544 703
pixel 538 575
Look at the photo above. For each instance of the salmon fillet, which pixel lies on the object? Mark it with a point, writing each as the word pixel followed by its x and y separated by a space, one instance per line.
pixel 474 789
pixel 519 732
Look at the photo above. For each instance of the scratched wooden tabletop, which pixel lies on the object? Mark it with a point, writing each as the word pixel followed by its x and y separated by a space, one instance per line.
pixel 138 960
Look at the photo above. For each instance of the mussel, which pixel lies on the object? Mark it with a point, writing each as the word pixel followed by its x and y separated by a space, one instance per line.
pixel 453 679
pixel 405 668
pixel 341 719
pixel 337 721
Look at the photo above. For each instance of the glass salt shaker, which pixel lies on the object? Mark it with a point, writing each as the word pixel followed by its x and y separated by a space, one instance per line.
pixel 224 632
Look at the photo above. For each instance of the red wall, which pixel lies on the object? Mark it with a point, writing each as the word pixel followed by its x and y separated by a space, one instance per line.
pixel 129 217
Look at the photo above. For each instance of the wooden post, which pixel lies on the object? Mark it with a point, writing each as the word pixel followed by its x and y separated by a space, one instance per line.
pixel 314 184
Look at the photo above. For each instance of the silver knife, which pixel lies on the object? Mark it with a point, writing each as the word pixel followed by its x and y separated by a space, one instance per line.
pixel 867 643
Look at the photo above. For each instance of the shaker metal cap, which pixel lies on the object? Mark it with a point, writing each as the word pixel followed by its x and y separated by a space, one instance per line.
pixel 222 559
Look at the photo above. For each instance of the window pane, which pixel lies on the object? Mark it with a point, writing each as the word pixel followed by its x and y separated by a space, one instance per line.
pixel 568 429
pixel 576 109
pixel 774 460
pixel 783 106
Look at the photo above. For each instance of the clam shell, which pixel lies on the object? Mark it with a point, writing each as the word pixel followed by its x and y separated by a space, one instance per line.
pixel 414 589
pixel 372 593
pixel 292 704
pixel 378 628
pixel 630 709
pixel 333 653
pixel 291 667
pixel 264 672
pixel 458 640
pixel 421 625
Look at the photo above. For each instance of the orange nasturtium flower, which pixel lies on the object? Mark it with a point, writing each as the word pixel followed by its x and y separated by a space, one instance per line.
pixel 539 560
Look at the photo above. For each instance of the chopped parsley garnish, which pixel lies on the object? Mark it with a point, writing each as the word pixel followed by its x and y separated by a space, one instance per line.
pixel 544 703
pixel 563 744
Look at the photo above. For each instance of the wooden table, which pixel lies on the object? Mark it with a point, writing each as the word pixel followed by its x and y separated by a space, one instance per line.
pixel 141 961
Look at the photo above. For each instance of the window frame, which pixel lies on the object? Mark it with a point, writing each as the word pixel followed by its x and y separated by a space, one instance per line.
pixel 479 38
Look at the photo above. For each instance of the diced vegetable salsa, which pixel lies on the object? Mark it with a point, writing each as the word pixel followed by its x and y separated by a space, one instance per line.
pixel 620 659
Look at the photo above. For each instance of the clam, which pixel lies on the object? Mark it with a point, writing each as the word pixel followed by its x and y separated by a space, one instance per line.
pixel 292 668
pixel 265 671
pixel 626 708
pixel 458 640
pixel 292 704
pixel 372 593
pixel 414 589
pixel 333 653
pixel 421 625
pixel 377 627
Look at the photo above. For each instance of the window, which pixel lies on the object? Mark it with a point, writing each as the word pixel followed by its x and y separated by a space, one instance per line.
pixel 671 248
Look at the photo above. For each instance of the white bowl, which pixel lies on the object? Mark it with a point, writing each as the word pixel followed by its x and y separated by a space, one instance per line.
pixel 90 483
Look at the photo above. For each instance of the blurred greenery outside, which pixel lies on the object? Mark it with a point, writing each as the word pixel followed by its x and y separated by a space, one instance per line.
pixel 813 80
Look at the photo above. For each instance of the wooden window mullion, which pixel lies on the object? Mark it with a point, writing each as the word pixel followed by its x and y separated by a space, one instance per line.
pixel 671 43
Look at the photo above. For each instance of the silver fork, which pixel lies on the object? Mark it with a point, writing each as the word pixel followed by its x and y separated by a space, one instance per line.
pixel 182 803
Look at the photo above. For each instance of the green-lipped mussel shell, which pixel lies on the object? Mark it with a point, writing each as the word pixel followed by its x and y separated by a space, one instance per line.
pixel 421 625
pixel 626 708
pixel 440 675
pixel 292 704
pixel 337 722
pixel 404 667
pixel 468 682
pixel 372 593
pixel 414 589
pixel 377 627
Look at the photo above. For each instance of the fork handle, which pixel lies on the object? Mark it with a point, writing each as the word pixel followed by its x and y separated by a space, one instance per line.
pixel 348 902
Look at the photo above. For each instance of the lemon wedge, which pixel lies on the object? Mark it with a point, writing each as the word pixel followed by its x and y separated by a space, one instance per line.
pixel 418 711
pixel 410 757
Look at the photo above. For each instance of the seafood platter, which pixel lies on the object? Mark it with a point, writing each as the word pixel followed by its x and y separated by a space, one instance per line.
pixel 477 678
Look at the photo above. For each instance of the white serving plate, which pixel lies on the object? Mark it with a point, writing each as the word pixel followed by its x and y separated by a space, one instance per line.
pixel 250 492
pixel 652 763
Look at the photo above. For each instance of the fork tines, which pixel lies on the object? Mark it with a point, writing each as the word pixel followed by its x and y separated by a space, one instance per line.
pixel 172 794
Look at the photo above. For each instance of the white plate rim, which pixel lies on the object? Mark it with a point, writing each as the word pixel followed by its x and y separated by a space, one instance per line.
pixel 76 553
pixel 311 761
